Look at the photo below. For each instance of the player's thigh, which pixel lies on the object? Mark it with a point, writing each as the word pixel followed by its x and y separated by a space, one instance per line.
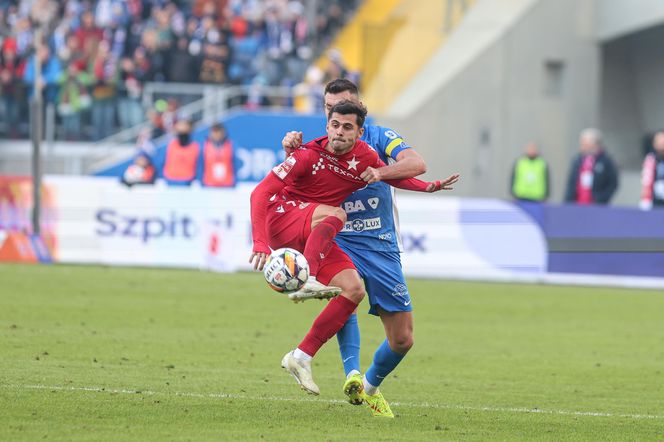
pixel 289 224
pixel 337 269
pixel 351 284
pixel 322 211
pixel 383 279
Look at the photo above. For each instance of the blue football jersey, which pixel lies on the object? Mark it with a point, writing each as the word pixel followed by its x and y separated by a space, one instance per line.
pixel 373 221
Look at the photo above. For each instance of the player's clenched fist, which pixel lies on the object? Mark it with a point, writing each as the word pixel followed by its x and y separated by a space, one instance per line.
pixel 292 140
pixel 371 175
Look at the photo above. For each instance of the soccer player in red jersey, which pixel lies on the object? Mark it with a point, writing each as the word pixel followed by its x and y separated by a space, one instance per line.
pixel 297 205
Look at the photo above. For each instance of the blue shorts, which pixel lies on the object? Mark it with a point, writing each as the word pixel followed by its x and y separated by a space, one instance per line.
pixel 383 279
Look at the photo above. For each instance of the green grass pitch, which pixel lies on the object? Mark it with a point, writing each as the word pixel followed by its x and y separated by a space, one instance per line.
pixel 95 353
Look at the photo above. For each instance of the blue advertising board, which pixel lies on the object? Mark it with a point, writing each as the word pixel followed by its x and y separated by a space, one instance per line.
pixel 256 138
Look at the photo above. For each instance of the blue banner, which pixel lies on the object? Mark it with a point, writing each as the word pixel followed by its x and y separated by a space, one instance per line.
pixel 256 138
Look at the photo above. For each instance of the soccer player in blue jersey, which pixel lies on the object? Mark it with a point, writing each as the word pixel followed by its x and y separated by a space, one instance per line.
pixel 371 239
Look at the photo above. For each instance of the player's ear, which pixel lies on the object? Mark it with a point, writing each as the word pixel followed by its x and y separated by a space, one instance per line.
pixel 361 131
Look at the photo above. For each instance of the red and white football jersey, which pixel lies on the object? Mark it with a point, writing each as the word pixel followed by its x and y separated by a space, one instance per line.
pixel 312 174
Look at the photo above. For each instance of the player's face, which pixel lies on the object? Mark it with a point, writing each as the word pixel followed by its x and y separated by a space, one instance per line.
pixel 332 99
pixel 343 132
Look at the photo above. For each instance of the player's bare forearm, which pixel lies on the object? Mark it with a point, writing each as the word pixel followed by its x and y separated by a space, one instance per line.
pixel 409 165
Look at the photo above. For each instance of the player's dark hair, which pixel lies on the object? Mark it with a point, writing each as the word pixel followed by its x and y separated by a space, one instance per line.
pixel 341 85
pixel 347 107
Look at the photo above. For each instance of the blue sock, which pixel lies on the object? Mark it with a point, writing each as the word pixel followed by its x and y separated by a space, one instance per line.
pixel 385 360
pixel 349 344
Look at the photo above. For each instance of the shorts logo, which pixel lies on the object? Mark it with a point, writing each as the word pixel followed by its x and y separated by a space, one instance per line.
pixel 401 291
pixel 360 225
pixel 373 202
pixel 318 166
pixel 284 168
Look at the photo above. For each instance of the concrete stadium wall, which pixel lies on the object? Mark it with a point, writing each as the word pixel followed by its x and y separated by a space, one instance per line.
pixel 632 93
pixel 616 18
pixel 535 77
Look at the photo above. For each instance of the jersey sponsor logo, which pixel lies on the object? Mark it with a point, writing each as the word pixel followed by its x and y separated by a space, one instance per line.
pixel 373 202
pixel 329 157
pixel 284 168
pixel 340 171
pixel 385 236
pixel 360 225
pixel 354 206
pixel 303 205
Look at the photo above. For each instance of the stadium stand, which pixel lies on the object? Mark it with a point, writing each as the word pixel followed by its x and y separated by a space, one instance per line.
pixel 102 54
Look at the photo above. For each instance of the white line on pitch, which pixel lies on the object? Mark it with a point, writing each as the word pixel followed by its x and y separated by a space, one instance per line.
pixel 330 401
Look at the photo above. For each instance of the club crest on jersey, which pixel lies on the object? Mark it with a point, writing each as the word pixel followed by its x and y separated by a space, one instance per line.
pixel 318 166
pixel 352 164
pixel 285 167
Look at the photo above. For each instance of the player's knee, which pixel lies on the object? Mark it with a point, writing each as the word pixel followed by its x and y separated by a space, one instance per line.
pixel 355 292
pixel 402 343
pixel 339 213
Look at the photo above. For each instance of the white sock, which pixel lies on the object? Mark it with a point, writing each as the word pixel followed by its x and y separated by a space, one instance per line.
pixel 302 356
pixel 352 372
pixel 368 388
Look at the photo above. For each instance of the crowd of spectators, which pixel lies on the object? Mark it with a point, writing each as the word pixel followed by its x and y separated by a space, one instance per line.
pixel 98 55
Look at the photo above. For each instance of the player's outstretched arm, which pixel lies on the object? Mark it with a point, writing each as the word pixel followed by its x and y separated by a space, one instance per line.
pixel 423 186
pixel 291 141
pixel 409 165
pixel 259 202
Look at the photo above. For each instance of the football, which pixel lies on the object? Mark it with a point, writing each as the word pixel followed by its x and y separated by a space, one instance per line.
pixel 286 270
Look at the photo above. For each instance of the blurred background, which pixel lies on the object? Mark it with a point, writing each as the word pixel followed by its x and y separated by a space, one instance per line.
pixel 549 110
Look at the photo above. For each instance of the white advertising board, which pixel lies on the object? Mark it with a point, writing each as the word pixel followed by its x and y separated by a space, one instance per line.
pixel 100 220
